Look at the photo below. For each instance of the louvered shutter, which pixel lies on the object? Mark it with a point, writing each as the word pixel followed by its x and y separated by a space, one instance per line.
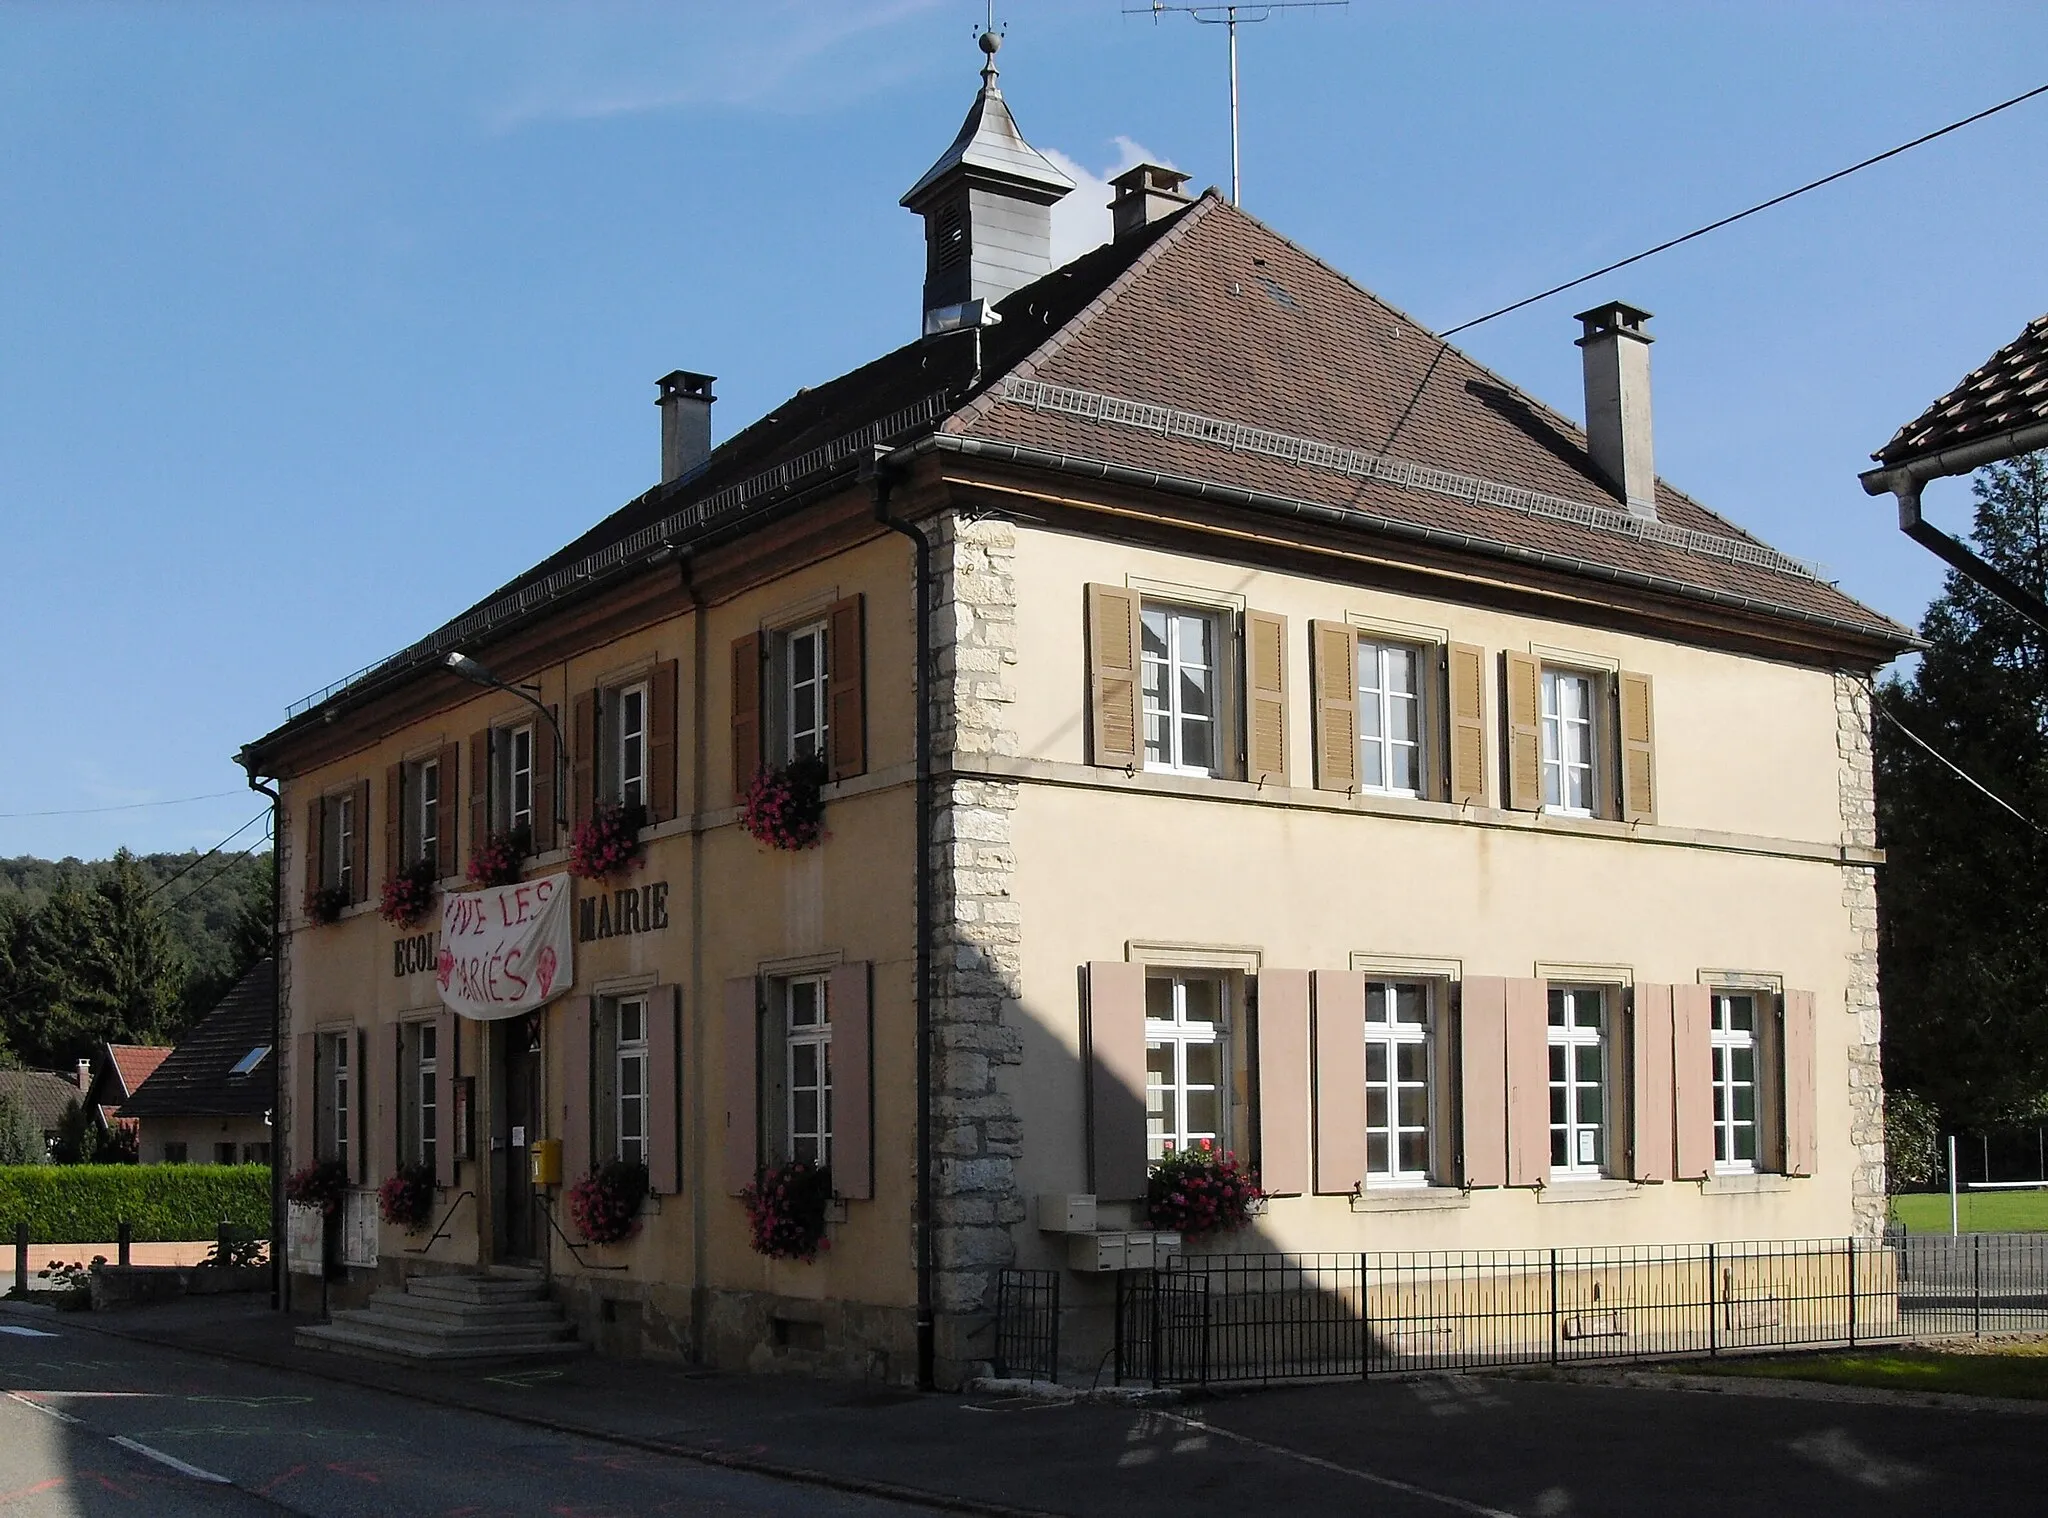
pixel 1465 696
pixel 746 720
pixel 1802 1128
pixel 1522 683
pixel 1265 678
pixel 394 820
pixel 849 997
pixel 579 1116
pixel 305 1103
pixel 846 688
pixel 1116 1079
pixel 1114 703
pixel 1340 1081
pixel 1483 1081
pixel 1333 649
pixel 359 843
pixel 664 1085
pixel 447 1067
pixel 547 783
pixel 742 1038
pixel 1283 1049
pixel 479 788
pixel 1692 1080
pixel 661 742
pixel 1638 756
pixel 1528 1069
pixel 314 844
pixel 1650 1053
pixel 448 808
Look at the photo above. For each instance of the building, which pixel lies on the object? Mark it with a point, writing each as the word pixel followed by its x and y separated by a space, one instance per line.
pixel 209 1101
pixel 42 1096
pixel 116 1075
pixel 1242 717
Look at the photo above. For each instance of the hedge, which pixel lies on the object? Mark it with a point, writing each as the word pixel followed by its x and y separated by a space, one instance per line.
pixel 84 1204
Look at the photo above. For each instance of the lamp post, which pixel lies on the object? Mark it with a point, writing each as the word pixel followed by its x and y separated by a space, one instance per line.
pixel 461 664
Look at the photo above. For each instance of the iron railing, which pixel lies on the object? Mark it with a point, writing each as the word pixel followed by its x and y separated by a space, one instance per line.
pixel 1028 1324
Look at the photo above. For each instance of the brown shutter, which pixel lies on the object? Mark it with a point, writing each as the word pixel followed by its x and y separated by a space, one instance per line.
pixel 661 742
pixel 394 820
pixel 1283 1034
pixel 849 1002
pixel 579 1017
pixel 1340 1081
pixel 1650 1153
pixel 1483 1081
pixel 742 1082
pixel 1115 708
pixel 1638 758
pixel 1692 1080
pixel 1116 1079
pixel 361 843
pixel 664 1082
pixel 479 788
pixel 1770 1083
pixel 1802 1129
pixel 305 1104
pixel 846 689
pixel 1522 685
pixel 747 735
pixel 1333 651
pixel 313 846
pixel 547 786
pixel 1465 670
pixel 447 858
pixel 583 759
pixel 390 1088
pixel 1528 1114
pixel 1265 680
pixel 447 1067
pixel 359 1094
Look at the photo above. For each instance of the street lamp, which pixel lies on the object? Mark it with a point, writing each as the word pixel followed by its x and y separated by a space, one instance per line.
pixel 461 664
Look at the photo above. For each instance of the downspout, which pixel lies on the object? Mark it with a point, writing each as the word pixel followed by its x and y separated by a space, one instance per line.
pixel 277 1241
pixel 880 474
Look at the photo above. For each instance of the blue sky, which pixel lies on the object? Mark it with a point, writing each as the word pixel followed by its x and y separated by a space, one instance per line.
pixel 317 321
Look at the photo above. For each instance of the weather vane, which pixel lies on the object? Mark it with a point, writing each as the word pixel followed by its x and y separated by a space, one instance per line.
pixel 1229 16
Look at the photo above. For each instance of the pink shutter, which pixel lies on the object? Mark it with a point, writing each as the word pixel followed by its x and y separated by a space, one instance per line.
pixel 1116 1079
pixel 304 1131
pixel 850 998
pixel 1283 1081
pixel 742 1083
pixel 1340 1081
pixel 664 1080
pixel 447 1044
pixel 1802 1127
pixel 1692 1080
pixel 1483 1080
pixel 577 1017
pixel 1528 1114
pixel 1650 1151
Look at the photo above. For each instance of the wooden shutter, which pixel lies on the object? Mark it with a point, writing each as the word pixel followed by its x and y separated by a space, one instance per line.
pixel 1638 757
pixel 1114 705
pixel 849 999
pixel 479 788
pixel 1483 1081
pixel 1650 1048
pixel 1522 686
pixel 578 1116
pixel 1770 1083
pixel 447 1067
pixel 1340 1081
pixel 389 1084
pixel 742 1036
pixel 547 784
pixel 1333 651
pixel 1118 1161
pixel 305 1104
pixel 1265 680
pixel 315 842
pixel 360 1091
pixel 1283 1035
pixel 582 759
pixel 661 742
pixel 1802 1128
pixel 747 734
pixel 1465 697
pixel 846 690
pixel 394 819
pixel 447 768
pixel 664 1083
pixel 359 880
pixel 1528 1070
pixel 1692 1080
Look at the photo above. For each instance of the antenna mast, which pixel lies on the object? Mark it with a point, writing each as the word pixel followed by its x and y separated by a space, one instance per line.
pixel 1228 16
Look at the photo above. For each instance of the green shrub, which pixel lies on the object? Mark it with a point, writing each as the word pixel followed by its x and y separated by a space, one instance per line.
pixel 85 1204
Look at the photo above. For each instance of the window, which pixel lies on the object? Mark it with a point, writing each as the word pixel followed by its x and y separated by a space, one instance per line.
pixel 1578 1082
pixel 336 1096
pixel 630 1075
pixel 1568 743
pixel 224 1154
pixel 807 1070
pixel 421 1056
pixel 426 811
pixel 174 1152
pixel 1180 684
pixel 1390 718
pixel 1397 1083
pixel 512 789
pixel 1734 1042
pixel 806 659
pixel 1186 1057
pixel 338 861
pixel 628 745
pixel 247 1064
pixel 255 1154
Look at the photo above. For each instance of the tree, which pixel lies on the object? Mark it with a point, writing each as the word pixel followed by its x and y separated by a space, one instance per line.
pixel 1962 949
pixel 21 1141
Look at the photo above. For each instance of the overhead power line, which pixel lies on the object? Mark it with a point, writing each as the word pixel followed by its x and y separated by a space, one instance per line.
pixel 1971 780
pixel 210 879
pixel 164 885
pixel 126 806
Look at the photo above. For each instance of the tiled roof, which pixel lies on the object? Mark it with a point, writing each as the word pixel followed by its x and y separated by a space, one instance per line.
pixel 196 1079
pixel 2009 390
pixel 135 1063
pixel 42 1093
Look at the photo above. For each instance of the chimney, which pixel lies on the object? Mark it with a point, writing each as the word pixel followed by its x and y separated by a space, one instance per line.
pixel 685 400
pixel 1616 353
pixel 1144 195
pixel 84 1074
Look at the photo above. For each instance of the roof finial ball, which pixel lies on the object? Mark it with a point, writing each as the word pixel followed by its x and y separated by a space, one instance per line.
pixel 990 42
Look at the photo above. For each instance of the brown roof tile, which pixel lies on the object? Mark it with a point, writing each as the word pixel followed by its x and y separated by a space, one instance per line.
pixel 2009 390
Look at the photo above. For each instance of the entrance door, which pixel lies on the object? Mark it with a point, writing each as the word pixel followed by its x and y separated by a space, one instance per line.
pixel 514 1127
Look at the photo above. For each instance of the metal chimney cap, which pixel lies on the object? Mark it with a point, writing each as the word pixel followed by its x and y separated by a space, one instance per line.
pixel 1617 317
pixel 686 384
pixel 1150 176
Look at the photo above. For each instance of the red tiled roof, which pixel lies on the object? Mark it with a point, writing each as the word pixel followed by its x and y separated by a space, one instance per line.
pixel 135 1063
pixel 2009 390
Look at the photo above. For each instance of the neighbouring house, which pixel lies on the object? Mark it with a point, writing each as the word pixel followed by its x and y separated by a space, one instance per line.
pixel 1238 717
pixel 116 1074
pixel 43 1095
pixel 209 1102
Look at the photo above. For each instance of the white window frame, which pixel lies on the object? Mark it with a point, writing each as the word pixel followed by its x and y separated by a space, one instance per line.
pixel 518 804
pixel 338 1093
pixel 423 821
pixel 343 843
pixel 1726 1040
pixel 1163 706
pixel 1557 725
pixel 1377 703
pixel 807 1108
pixel 425 1094
pixel 1390 1037
pixel 628 745
pixel 1167 1124
pixel 806 740
pixel 1571 1038
pixel 631 1068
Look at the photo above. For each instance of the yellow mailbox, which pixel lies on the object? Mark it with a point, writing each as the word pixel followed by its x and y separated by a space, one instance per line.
pixel 546 1159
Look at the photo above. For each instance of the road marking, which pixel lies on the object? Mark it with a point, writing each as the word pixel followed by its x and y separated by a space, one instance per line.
pixel 171 1460
pixel 1391 1483
pixel 46 1411
pixel 27 1333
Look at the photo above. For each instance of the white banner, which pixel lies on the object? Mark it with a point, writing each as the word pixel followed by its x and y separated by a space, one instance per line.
pixel 506 949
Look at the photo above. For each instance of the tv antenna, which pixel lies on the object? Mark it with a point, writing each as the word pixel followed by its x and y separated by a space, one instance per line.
pixel 1229 16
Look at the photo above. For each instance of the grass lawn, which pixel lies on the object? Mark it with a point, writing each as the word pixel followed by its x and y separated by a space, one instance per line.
pixel 1981 1211
pixel 2010 1369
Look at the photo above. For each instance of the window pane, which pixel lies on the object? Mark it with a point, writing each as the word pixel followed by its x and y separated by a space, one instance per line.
pixel 1414 1107
pixel 1560 1147
pixel 1742 1013
pixel 803 1064
pixel 1159 999
pixel 1745 1104
pixel 1414 1152
pixel 1376 1153
pixel 1376 1060
pixel 1158 1065
pixel 1413 1062
pixel 1745 1142
pixel 1587 1062
pixel 1411 1006
pixel 1204 1108
pixel 1204 1000
pixel 803 1004
pixel 1196 751
pixel 1378 1002
pixel 1557 1099
pixel 1203 1066
pixel 1375 1106
pixel 1744 1062
pixel 1557 1009
pixel 1154 623
pixel 1589 1104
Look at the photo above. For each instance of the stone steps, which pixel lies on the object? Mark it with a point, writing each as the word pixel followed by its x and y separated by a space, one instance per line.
pixel 454 1319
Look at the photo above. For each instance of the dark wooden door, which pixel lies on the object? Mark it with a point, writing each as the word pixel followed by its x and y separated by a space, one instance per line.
pixel 517 1126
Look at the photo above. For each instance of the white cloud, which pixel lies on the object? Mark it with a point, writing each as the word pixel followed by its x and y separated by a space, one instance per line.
pixel 1081 221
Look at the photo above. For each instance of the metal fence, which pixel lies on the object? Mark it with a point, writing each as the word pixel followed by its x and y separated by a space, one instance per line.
pixel 1254 1318
pixel 1028 1324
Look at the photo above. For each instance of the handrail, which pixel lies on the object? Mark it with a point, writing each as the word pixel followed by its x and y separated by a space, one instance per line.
pixel 436 1236
pixel 574 1248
